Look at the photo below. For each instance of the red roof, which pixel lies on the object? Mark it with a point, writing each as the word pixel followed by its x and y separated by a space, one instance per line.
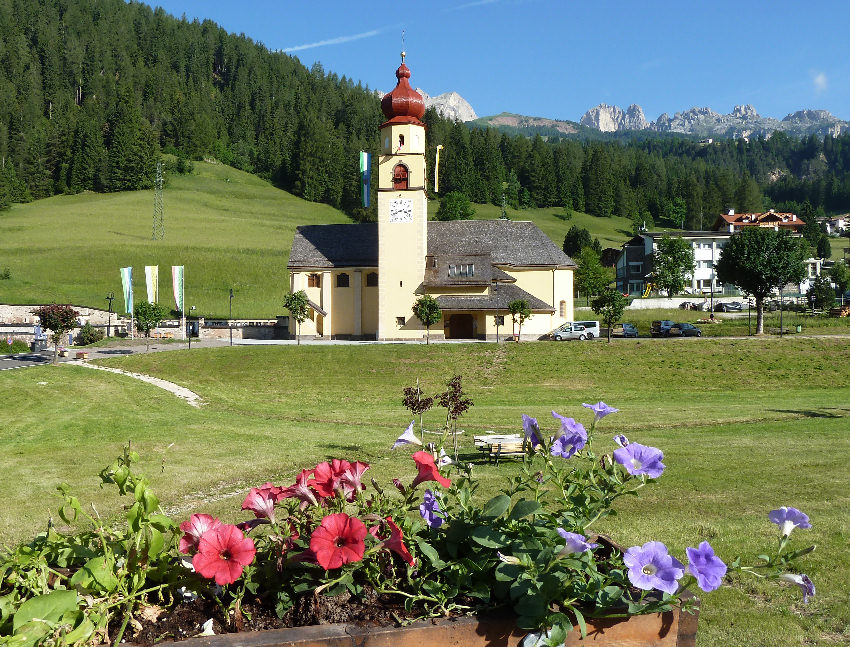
pixel 771 218
pixel 404 104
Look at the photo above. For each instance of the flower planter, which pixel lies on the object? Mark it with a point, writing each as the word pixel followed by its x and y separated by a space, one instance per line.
pixel 671 629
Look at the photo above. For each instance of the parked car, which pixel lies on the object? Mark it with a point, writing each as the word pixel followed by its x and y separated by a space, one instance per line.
pixel 624 330
pixel 683 330
pixel 569 331
pixel 660 328
pixel 731 306
pixel 592 328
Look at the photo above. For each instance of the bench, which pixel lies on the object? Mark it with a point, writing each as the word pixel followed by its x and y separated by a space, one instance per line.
pixel 498 446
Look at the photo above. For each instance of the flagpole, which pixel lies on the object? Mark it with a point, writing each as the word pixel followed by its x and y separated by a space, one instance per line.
pixel 183 305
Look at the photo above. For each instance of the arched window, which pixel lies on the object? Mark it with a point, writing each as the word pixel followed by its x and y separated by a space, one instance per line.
pixel 562 309
pixel 372 280
pixel 400 176
pixel 342 280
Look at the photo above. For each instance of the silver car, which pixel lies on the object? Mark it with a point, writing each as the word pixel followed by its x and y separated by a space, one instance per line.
pixel 570 331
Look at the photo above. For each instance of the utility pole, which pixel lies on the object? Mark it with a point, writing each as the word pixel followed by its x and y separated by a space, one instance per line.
pixel 158 223
pixel 109 297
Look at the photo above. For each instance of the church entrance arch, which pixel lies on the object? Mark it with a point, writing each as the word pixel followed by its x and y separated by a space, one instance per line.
pixel 461 326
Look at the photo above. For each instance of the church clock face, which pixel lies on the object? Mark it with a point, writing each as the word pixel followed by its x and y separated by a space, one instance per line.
pixel 401 210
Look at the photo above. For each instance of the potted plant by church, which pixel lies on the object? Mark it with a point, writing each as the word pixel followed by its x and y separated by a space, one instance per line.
pixel 426 558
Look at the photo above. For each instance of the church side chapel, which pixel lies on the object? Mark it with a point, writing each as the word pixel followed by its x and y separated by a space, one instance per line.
pixel 362 279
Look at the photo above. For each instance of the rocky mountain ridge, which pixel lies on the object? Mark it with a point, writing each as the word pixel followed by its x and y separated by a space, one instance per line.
pixel 450 105
pixel 743 121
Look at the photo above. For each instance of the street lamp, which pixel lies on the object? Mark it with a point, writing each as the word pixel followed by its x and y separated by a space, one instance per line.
pixel 230 320
pixel 109 297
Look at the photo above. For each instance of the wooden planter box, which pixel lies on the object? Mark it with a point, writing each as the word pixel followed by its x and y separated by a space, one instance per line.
pixel 671 629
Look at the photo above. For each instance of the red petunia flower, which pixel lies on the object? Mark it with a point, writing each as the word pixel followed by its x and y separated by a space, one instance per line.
pixel 302 489
pixel 338 540
pixel 428 471
pixel 396 542
pixel 329 476
pixel 194 529
pixel 223 553
pixel 261 501
pixel 352 479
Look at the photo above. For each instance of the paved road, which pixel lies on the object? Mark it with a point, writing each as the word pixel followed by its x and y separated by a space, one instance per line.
pixel 23 360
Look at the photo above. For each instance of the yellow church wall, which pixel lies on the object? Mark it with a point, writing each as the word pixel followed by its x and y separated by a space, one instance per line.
pixel 369 308
pixel 343 306
pixel 551 286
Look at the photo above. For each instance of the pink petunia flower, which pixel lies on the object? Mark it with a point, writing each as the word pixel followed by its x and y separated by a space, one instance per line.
pixel 338 540
pixel 194 529
pixel 302 489
pixel 223 553
pixel 396 542
pixel 261 501
pixel 351 479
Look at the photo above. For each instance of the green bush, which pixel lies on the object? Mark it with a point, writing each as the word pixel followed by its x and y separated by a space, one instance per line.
pixel 88 335
pixel 17 346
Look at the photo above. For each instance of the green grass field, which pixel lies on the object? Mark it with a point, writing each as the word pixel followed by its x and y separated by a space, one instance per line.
pixel 228 228
pixel 746 426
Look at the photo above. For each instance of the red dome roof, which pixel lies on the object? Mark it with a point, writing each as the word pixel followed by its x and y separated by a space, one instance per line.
pixel 404 104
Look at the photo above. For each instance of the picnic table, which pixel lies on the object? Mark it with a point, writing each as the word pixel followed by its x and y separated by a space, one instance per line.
pixel 498 446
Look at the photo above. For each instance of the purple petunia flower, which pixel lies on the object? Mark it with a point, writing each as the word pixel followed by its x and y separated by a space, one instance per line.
pixel 640 459
pixel 652 567
pixel 576 543
pixel 788 519
pixel 621 440
pixel 430 510
pixel 704 565
pixel 572 439
pixel 407 438
pixel 600 409
pixel 803 581
pixel 531 429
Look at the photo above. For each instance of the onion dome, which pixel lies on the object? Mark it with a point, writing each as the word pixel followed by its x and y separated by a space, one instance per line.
pixel 403 105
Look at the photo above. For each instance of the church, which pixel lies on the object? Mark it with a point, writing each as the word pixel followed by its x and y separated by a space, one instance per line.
pixel 363 279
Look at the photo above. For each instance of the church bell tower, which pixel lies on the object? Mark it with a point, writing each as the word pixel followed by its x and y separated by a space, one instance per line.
pixel 402 209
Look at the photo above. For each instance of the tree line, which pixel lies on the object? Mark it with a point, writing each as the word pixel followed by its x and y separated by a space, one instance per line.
pixel 93 91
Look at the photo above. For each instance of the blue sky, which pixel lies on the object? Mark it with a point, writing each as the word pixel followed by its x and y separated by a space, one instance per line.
pixel 558 58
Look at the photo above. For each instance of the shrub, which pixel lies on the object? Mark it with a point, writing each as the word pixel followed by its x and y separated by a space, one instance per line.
pixel 6 274
pixel 88 335
pixel 17 346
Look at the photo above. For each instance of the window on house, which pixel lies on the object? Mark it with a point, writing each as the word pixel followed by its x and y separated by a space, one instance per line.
pixel 400 321
pixel 562 309
pixel 372 280
pixel 400 177
pixel 314 281
pixel 401 141
pixel 635 268
pixel 461 270
pixel 430 261
pixel 342 280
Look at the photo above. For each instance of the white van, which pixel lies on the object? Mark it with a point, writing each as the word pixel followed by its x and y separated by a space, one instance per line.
pixel 591 328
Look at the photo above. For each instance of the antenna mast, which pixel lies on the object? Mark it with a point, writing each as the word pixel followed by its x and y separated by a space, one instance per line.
pixel 158 224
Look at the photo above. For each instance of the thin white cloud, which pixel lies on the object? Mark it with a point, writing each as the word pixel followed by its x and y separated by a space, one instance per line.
pixel 474 3
pixel 332 41
pixel 820 81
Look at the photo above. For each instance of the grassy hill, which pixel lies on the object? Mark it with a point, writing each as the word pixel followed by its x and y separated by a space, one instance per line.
pixel 228 228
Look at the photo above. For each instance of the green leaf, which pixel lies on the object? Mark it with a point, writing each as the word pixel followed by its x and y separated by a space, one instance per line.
pixel 81 633
pixel 150 501
pixel 431 553
pixel 496 506
pixel 530 605
pixel 523 508
pixel 134 516
pixel 97 574
pixel 49 607
pixel 507 572
pixel 582 625
pixel 154 541
pixel 489 538
pixel 558 634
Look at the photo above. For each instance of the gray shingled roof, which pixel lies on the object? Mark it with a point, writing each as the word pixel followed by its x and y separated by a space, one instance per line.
pixel 507 241
pixel 354 245
pixel 498 298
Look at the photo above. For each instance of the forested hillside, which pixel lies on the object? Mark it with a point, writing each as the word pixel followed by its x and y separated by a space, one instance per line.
pixel 91 91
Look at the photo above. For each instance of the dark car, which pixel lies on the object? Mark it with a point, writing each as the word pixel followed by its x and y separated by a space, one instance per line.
pixel 660 328
pixel 732 306
pixel 683 330
pixel 624 330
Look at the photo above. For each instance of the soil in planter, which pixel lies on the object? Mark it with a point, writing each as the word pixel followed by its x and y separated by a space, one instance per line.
pixel 186 619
